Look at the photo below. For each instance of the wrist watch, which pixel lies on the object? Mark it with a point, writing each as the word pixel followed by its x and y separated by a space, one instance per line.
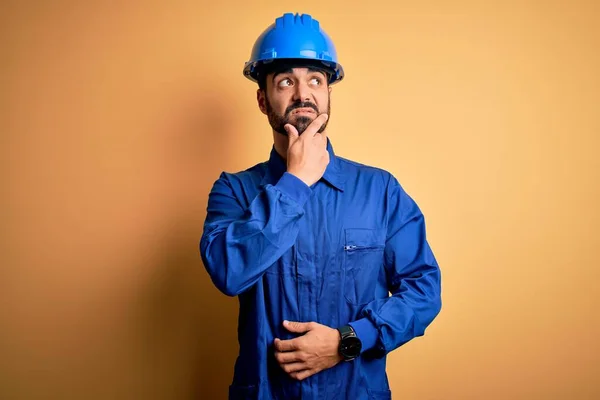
pixel 350 344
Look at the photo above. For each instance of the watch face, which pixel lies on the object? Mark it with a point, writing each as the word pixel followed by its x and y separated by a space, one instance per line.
pixel 350 347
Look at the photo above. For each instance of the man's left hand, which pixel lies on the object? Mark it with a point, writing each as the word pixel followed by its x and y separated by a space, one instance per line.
pixel 310 353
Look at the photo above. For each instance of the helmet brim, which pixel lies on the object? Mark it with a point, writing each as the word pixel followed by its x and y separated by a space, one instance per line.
pixel 257 70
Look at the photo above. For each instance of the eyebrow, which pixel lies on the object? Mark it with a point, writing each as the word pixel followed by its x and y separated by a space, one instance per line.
pixel 290 70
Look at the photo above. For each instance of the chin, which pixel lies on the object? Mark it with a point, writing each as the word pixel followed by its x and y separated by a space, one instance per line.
pixel 303 119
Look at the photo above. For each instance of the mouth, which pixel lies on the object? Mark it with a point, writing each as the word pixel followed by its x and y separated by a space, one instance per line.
pixel 303 110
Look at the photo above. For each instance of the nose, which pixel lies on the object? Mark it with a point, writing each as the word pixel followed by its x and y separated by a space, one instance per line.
pixel 302 92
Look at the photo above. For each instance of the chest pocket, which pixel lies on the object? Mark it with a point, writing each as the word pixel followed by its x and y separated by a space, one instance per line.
pixel 363 262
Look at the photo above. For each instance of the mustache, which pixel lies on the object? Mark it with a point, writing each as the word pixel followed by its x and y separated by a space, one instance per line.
pixel 306 104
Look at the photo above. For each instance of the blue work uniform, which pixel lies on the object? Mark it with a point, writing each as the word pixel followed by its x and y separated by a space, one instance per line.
pixel 350 249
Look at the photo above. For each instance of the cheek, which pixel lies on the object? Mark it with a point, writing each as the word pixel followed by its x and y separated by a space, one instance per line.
pixel 323 100
pixel 279 104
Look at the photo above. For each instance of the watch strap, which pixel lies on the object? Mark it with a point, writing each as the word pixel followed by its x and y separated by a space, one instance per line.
pixel 346 331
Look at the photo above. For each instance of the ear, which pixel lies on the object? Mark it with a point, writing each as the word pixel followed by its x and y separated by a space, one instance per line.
pixel 261 100
pixel 330 88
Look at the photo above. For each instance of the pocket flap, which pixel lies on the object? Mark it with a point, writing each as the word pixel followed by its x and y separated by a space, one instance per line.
pixel 363 237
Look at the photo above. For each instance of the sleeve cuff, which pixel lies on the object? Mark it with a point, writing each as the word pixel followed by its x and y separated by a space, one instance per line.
pixel 366 332
pixel 294 188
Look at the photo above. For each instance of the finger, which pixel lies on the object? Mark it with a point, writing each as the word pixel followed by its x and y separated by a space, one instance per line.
pixel 323 137
pixel 286 345
pixel 292 133
pixel 301 375
pixel 316 124
pixel 297 327
pixel 325 117
pixel 293 367
pixel 288 357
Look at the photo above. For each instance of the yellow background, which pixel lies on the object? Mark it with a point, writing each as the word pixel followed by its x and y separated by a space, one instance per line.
pixel 116 120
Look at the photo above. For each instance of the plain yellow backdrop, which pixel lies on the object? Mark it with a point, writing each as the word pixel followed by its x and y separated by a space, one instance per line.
pixel 115 120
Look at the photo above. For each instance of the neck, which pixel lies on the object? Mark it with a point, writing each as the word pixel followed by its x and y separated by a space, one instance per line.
pixel 281 144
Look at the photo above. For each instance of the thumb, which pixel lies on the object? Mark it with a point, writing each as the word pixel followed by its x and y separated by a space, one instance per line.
pixel 297 327
pixel 292 132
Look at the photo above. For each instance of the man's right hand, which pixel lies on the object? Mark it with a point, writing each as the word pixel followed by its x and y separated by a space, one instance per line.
pixel 307 156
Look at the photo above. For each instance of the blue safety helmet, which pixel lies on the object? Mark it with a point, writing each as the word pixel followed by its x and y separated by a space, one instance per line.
pixel 295 40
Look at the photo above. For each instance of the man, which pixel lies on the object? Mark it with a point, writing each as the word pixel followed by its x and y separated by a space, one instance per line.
pixel 313 244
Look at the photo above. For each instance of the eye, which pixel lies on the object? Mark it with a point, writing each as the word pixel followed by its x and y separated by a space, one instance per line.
pixel 285 82
pixel 315 81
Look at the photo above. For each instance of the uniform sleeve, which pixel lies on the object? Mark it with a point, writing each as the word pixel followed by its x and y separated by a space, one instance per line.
pixel 239 244
pixel 413 276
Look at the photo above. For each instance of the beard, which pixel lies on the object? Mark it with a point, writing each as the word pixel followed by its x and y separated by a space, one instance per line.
pixel 278 121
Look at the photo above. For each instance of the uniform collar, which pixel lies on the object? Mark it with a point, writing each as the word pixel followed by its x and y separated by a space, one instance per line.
pixel 276 166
